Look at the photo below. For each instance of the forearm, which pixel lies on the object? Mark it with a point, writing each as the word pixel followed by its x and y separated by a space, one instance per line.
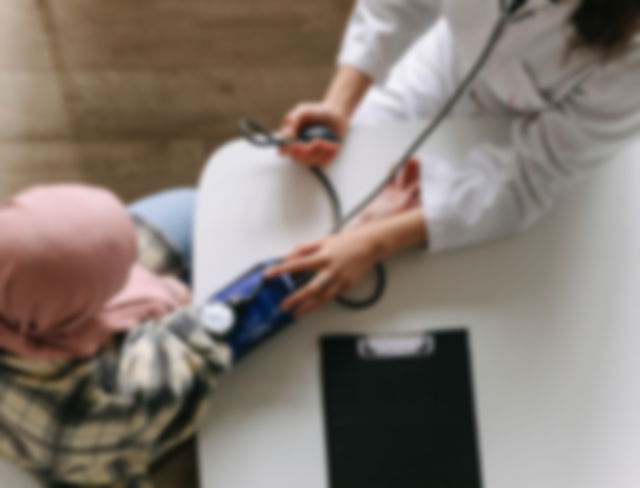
pixel 396 233
pixel 347 89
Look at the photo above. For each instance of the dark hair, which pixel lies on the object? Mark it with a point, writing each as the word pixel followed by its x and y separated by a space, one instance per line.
pixel 606 26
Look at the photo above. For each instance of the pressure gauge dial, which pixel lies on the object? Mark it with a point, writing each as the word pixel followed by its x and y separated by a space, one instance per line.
pixel 218 318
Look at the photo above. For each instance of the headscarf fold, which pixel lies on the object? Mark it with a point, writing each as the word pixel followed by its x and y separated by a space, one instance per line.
pixel 68 278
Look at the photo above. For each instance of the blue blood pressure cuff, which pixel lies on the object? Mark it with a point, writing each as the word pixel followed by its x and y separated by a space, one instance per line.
pixel 247 311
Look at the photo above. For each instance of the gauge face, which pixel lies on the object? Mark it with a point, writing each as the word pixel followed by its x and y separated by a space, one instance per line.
pixel 218 318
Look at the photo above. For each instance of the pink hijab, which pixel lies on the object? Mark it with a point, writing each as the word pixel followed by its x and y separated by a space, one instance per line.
pixel 68 279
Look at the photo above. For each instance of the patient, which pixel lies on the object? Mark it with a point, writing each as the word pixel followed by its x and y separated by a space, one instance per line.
pixel 104 367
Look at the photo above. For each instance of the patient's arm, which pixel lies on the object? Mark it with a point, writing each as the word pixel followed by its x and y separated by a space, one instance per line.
pixel 104 420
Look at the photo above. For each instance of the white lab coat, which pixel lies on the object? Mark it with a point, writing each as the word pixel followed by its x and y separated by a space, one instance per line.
pixel 572 110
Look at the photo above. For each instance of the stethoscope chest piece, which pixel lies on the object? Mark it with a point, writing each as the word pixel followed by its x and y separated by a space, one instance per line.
pixel 257 135
pixel 317 131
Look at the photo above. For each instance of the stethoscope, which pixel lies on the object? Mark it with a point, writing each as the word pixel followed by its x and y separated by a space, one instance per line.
pixel 510 11
pixel 261 137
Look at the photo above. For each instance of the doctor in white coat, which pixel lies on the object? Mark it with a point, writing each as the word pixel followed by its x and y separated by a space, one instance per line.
pixel 568 71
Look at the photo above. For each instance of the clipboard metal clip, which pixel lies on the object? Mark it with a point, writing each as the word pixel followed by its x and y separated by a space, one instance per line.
pixel 396 346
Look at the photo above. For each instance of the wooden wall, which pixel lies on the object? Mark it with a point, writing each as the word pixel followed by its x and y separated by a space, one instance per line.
pixel 135 93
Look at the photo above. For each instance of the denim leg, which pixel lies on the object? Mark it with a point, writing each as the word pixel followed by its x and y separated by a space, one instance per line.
pixel 170 212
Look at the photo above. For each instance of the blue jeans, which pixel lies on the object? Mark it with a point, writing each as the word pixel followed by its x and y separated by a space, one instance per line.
pixel 171 212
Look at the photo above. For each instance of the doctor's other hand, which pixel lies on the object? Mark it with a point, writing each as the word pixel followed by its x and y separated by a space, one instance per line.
pixel 318 152
pixel 338 261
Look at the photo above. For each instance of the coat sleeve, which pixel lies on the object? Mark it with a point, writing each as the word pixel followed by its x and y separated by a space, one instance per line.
pixel 495 191
pixel 380 31
pixel 163 359
pixel 102 421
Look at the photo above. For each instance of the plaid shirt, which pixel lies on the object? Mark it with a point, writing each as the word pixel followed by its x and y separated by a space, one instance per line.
pixel 103 421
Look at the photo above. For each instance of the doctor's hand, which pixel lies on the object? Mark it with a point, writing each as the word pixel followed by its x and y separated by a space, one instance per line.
pixel 318 152
pixel 339 261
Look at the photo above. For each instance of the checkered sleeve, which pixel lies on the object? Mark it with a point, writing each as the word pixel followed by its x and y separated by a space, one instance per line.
pixel 155 252
pixel 103 421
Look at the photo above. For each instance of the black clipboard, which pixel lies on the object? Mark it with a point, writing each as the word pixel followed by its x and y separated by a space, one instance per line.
pixel 399 411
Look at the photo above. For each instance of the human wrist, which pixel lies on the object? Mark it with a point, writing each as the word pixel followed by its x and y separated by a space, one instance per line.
pixel 379 243
pixel 391 235
pixel 346 90
pixel 337 108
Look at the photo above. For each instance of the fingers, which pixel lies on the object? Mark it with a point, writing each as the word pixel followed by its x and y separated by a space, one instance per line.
pixel 313 288
pixel 409 174
pixel 296 265
pixel 292 259
pixel 318 152
pixel 415 200
pixel 322 286
pixel 312 113
pixel 305 249
pixel 329 293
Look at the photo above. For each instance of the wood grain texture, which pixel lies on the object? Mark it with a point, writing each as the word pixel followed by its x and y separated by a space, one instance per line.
pixel 131 168
pixel 130 34
pixel 23 39
pixel 32 107
pixel 133 93
pixel 193 102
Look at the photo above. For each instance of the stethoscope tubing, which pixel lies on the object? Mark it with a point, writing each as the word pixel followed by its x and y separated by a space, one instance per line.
pixel 259 136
